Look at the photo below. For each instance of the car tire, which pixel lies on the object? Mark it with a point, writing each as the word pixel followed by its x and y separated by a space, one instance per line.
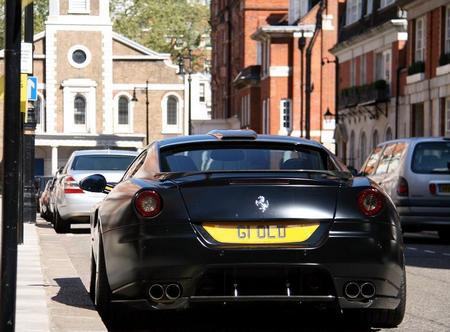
pixel 444 235
pixel 381 318
pixel 60 225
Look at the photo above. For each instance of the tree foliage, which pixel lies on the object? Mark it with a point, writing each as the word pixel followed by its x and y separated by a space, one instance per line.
pixel 168 26
pixel 40 15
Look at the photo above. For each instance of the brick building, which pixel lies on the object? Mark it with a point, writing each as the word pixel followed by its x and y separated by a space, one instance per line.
pixel 233 22
pixel 268 74
pixel 372 69
pixel 426 103
pixel 88 75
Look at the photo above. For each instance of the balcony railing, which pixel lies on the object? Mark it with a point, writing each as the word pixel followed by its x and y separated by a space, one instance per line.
pixel 368 94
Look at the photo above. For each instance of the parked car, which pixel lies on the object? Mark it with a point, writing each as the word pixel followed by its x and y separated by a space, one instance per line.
pixel 70 202
pixel 415 172
pixel 233 216
pixel 44 200
pixel 40 183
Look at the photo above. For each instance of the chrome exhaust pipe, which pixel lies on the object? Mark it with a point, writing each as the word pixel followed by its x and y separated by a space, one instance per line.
pixel 156 292
pixel 368 290
pixel 173 292
pixel 352 290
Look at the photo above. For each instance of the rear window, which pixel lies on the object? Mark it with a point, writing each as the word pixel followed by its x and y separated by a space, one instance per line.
pixel 102 163
pixel 244 158
pixel 431 157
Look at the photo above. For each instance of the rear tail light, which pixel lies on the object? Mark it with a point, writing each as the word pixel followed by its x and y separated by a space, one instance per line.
pixel 370 202
pixel 148 203
pixel 433 188
pixel 402 187
pixel 71 186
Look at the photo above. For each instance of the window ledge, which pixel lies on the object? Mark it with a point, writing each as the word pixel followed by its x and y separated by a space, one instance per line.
pixel 167 131
pixel 442 70
pixel 410 79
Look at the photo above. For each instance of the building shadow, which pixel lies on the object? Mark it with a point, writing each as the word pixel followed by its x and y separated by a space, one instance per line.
pixel 73 293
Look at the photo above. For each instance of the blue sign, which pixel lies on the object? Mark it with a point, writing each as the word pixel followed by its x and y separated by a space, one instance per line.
pixel 32 84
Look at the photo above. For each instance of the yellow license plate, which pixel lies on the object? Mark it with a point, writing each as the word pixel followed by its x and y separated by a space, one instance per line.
pixel 445 188
pixel 257 233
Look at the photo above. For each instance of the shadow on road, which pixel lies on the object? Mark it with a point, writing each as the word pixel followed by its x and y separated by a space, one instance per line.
pixel 238 319
pixel 425 249
pixel 73 293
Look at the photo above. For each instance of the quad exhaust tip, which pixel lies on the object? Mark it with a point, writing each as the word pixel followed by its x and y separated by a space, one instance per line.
pixel 367 290
pixel 353 290
pixel 156 292
pixel 173 292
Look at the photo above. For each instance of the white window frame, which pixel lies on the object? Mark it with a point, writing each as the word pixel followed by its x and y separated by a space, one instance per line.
pixel 202 92
pixel 40 127
pixel 171 129
pixel 420 40
pixel 285 109
pixel 85 50
pixel 79 7
pixel 353 10
pixel 447 30
pixel 86 88
pixel 385 3
pixel 383 70
pixel 121 128
pixel 369 8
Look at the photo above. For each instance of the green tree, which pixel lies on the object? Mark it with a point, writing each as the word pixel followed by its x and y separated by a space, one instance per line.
pixel 40 15
pixel 168 26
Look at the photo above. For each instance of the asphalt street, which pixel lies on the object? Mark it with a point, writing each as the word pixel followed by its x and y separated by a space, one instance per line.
pixel 428 297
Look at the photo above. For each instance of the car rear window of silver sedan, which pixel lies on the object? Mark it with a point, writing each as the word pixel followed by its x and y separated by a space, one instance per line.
pixel 431 157
pixel 102 163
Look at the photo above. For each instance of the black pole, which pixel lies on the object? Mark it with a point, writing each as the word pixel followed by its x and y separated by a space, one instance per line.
pixel 301 46
pixel 146 112
pixel 29 190
pixel 11 157
pixel 336 101
pixel 190 104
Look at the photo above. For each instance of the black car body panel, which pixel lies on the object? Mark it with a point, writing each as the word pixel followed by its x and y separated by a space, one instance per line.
pixel 174 247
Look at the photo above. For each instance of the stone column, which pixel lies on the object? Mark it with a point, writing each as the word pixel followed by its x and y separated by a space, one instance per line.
pixel 54 159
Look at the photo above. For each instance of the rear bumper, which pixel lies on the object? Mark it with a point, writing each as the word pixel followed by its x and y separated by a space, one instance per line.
pixel 142 255
pixel 413 218
pixel 78 206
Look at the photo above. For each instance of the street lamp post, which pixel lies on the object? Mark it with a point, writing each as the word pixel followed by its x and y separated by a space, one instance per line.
pixel 134 99
pixel 301 46
pixel 184 69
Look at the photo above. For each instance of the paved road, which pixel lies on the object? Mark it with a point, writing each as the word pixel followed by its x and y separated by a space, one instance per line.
pixel 428 304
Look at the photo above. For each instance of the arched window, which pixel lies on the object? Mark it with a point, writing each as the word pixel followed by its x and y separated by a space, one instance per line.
pixel 351 160
pixel 172 111
pixel 79 110
pixel 363 149
pixel 375 139
pixel 388 134
pixel 39 114
pixel 123 111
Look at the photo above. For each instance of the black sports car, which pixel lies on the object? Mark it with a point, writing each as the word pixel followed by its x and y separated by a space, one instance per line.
pixel 233 216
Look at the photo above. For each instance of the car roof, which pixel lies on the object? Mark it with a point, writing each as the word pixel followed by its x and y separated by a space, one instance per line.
pixel 417 140
pixel 104 152
pixel 235 136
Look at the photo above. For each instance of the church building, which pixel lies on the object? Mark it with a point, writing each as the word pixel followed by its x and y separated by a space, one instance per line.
pixel 98 89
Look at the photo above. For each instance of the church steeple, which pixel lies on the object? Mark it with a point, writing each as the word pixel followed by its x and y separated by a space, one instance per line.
pixel 80 8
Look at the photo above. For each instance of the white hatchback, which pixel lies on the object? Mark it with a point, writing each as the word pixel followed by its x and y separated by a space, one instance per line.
pixel 71 203
pixel 415 172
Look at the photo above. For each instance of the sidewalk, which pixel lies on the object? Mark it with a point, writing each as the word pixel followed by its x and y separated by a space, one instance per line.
pixel 50 295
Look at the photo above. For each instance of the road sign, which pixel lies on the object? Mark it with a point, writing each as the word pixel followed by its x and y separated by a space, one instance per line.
pixel 32 88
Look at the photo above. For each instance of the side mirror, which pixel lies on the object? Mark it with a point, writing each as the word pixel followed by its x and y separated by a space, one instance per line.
pixel 95 183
